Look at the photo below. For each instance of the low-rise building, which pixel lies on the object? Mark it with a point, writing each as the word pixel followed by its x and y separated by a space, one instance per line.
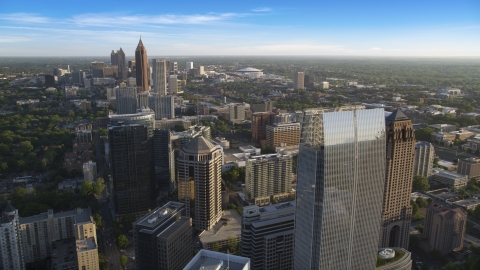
pixel 468 204
pixel 283 134
pixel 448 178
pixel 469 167
pixel 229 226
pixel 206 259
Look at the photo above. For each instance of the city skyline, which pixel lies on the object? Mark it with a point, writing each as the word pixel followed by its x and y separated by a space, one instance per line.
pixel 271 28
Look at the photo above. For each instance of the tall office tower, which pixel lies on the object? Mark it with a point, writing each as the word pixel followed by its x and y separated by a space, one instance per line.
pixel 163 106
pixel 130 140
pixel 283 134
pixel 126 100
pixel 131 64
pixel 298 82
pixel 268 175
pixel 159 76
pixel 424 156
pixel 309 81
pixel 444 228
pixel 49 80
pixel 97 69
pixel 183 76
pixel 396 210
pixel 236 111
pixel 259 125
pixel 164 160
pixel 173 85
pixel 141 67
pixel 201 70
pixel 173 67
pixel 341 176
pixel 163 238
pixel 142 99
pixel 118 59
pixel 11 252
pixel 267 236
pixel 200 176
pixel 188 66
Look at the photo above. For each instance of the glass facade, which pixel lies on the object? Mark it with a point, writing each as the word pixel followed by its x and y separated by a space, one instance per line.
pixel 341 174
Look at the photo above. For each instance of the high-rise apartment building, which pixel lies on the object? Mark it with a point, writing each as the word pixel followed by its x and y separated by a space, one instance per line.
pixel 298 80
pixel 444 228
pixel 173 87
pixel 267 236
pixel 400 154
pixel 201 70
pixel 163 238
pixel 236 111
pixel 424 156
pixel 268 175
pixel 142 100
pixel 11 251
pixel 163 160
pixel 130 159
pixel 200 168
pixel 469 167
pixel 341 176
pixel 283 134
pixel 97 69
pixel 174 67
pixel 259 125
pixel 163 106
pixel 188 66
pixel 141 67
pixel 126 100
pixel 159 74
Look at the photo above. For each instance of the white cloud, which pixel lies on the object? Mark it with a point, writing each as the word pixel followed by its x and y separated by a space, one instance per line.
pixel 261 9
pixel 375 49
pixel 10 39
pixel 25 18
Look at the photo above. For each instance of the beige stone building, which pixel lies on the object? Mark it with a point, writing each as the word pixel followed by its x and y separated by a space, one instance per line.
pixel 444 228
pixel 469 167
pixel 283 134
pixel 400 154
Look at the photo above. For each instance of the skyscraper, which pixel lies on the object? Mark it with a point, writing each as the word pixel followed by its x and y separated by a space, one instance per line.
pixel 97 69
pixel 163 238
pixel 141 64
pixel 424 155
pixel 298 80
pixel 126 100
pixel 200 168
pixel 173 85
pixel 188 66
pixel 341 175
pixel 130 140
pixel 159 74
pixel 396 210
pixel 164 160
pixel 118 59
pixel 11 253
pixel 163 106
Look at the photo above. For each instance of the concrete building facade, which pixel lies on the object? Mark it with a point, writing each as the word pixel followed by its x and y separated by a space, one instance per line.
pixel 283 134
pixel 469 167
pixel 236 112
pixel 200 167
pixel 298 80
pixel 159 76
pixel 260 121
pixel 163 106
pixel 126 100
pixel 11 248
pixel 424 156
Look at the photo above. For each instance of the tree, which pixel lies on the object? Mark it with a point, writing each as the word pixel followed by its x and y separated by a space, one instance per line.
pixel 420 183
pixel 86 187
pixel 216 246
pixel 476 211
pixel 98 220
pixel 19 192
pixel 3 167
pixel 421 202
pixel 423 134
pixel 232 244
pixel 26 147
pixel 414 207
pixel 98 186
pixel 122 241
pixel 102 132
pixel 123 260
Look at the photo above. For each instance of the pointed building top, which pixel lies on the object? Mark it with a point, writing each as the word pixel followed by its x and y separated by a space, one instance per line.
pixel 396 115
pixel 140 43
pixel 5 218
pixel 10 208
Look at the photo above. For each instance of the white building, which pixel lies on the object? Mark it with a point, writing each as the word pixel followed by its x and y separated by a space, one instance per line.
pixel 423 162
pixel 11 251
pixel 188 66
pixel 90 171
pixel 159 76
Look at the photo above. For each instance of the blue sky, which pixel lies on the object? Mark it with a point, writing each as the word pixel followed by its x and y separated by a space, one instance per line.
pixel 371 28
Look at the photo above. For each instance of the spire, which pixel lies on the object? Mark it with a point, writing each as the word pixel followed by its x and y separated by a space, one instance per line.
pixel 140 44
pixel 396 115
pixel 9 208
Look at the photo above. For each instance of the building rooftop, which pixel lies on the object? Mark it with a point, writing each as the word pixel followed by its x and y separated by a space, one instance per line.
pixel 159 215
pixel 198 144
pixel 447 174
pixel 396 115
pixel 229 225
pixel 211 260
pixel 468 202
pixel 86 244
pixel 249 69
pixel 81 215
pixel 275 207
pixel 174 227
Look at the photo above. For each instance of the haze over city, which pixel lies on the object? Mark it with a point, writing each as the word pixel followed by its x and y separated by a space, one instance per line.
pixel 344 28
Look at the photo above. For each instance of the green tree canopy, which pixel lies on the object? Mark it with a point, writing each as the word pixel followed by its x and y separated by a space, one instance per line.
pixel 423 134
pixel 122 241
pixel 414 207
pixel 421 202
pixel 86 187
pixel 98 220
pixel 98 186
pixel 123 260
pixel 26 147
pixel 420 183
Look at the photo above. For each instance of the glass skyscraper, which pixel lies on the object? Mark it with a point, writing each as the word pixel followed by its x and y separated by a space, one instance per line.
pixel 341 175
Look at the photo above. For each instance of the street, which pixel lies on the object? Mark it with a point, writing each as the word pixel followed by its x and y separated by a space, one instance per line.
pixel 110 245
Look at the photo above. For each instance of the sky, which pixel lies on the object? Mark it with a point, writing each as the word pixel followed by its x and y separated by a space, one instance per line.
pixel 413 28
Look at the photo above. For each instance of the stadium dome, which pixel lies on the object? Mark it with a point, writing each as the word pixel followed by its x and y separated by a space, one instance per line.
pixel 249 69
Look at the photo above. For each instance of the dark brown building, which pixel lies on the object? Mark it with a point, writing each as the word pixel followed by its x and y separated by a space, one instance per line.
pixel 396 210
pixel 141 64
pixel 259 125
